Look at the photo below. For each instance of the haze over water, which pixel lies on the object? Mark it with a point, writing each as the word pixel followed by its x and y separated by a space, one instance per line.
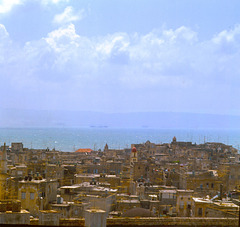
pixel 70 139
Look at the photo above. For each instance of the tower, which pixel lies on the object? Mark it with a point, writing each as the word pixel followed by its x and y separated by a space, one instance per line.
pixel 133 156
pixel 174 140
pixel 3 173
pixel 106 147
pixel 3 161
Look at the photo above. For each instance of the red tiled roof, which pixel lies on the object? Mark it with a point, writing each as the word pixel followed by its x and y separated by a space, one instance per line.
pixel 84 150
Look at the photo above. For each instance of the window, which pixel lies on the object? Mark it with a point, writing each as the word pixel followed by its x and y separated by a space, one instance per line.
pixel 19 172
pixel 31 195
pixel 23 196
pixel 200 212
pixel 212 185
pixel 181 205
pixel 42 194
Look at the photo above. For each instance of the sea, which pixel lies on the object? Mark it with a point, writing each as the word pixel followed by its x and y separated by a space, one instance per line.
pixel 71 139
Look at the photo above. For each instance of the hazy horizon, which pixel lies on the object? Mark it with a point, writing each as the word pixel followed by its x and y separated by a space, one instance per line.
pixel 83 119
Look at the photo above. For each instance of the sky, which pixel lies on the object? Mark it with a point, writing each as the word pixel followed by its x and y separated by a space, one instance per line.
pixel 120 55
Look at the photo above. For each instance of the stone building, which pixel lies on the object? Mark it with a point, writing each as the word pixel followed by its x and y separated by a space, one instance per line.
pixel 36 194
pixel 184 203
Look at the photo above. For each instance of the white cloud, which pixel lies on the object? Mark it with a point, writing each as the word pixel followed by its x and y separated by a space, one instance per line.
pixel 47 2
pixel 63 38
pixel 112 45
pixel 180 34
pixel 3 32
pixel 155 65
pixel 7 5
pixel 166 58
pixel 227 36
pixel 5 45
pixel 68 15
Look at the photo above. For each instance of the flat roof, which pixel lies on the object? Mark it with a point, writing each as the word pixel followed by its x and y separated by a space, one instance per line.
pixel 70 186
pixel 183 190
pixel 60 205
pixel 95 210
pixel 128 201
pixel 33 181
pixel 201 200
pixel 225 204
pixel 168 191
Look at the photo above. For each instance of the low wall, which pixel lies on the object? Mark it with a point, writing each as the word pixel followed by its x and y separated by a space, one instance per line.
pixel 72 222
pixel 13 218
pixel 178 221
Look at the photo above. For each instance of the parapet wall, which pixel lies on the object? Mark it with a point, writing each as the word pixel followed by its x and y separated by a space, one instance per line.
pixel 179 221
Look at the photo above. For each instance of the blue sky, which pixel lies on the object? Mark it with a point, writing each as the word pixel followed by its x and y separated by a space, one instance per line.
pixel 120 56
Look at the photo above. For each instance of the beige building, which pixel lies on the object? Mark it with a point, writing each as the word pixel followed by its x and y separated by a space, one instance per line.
pixel 204 183
pixel 204 207
pixel 184 203
pixel 36 194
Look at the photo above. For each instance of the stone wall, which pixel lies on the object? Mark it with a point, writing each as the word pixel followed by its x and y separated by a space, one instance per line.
pixel 114 222
pixel 15 218
pixel 172 222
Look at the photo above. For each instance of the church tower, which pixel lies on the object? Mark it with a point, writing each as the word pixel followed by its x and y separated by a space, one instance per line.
pixel 133 156
pixel 106 147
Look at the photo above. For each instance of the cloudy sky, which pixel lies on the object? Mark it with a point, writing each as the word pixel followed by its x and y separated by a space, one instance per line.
pixel 121 55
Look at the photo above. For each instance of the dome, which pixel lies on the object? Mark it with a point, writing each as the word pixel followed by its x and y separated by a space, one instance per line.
pixel 134 150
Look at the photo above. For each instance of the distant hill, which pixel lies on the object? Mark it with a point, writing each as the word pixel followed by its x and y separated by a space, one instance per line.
pixel 166 120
